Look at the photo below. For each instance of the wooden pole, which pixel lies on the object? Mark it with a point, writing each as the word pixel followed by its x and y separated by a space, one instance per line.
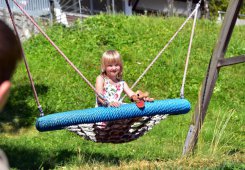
pixel 53 17
pixel 206 9
pixel 170 7
pixel 212 74
pixel 189 7
pixel 91 7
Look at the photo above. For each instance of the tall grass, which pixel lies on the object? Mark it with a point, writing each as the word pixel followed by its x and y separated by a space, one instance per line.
pixel 219 130
pixel 138 39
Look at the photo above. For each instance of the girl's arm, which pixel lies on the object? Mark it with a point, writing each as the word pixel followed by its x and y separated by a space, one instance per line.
pixel 135 96
pixel 128 91
pixel 99 88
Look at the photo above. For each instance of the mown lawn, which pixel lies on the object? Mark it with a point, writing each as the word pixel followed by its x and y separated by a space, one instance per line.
pixel 138 39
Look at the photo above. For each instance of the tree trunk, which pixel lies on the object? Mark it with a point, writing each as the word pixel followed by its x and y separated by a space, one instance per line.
pixel 189 7
pixel 206 9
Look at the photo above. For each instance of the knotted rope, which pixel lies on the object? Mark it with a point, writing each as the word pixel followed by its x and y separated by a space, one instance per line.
pixel 189 51
pixel 25 61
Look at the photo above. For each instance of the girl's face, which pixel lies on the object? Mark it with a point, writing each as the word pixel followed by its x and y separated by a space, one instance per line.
pixel 112 70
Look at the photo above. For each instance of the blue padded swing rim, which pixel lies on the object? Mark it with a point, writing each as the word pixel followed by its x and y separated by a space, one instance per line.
pixel 61 120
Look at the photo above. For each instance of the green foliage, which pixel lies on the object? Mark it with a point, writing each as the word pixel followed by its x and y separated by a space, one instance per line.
pixel 138 39
pixel 221 5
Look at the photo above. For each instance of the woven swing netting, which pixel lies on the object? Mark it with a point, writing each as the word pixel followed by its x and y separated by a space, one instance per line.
pixel 118 131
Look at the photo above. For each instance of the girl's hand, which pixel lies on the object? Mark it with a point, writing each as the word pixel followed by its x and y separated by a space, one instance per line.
pixel 148 99
pixel 115 104
pixel 134 98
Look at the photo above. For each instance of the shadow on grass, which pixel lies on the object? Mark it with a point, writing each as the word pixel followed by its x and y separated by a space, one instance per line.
pixel 17 113
pixel 24 158
pixel 25 154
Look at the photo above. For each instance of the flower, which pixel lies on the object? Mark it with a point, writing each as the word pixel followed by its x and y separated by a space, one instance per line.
pixel 116 96
pixel 118 86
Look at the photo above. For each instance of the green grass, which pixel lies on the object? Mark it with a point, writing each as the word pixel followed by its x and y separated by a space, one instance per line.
pixel 138 39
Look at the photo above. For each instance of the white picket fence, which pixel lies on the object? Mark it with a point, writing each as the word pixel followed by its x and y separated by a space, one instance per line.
pixel 32 7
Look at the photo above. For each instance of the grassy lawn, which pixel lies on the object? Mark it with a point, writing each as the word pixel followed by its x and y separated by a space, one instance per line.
pixel 138 39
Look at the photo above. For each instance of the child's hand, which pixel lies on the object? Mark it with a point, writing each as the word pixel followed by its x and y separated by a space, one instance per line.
pixel 139 95
pixel 115 104
pixel 134 98
pixel 148 99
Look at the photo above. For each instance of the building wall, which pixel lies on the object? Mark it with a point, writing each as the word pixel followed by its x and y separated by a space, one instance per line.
pixel 163 6
pixel 90 7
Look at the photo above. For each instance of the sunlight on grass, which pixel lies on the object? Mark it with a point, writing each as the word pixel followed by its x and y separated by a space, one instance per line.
pixel 139 39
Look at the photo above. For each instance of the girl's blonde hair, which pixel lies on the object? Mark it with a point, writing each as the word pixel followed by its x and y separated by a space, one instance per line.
pixel 111 57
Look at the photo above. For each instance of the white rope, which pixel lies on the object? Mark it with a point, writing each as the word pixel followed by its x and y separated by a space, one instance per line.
pixel 163 49
pixel 189 52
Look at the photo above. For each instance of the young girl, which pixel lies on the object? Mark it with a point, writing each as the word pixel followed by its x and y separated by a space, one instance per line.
pixel 109 83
